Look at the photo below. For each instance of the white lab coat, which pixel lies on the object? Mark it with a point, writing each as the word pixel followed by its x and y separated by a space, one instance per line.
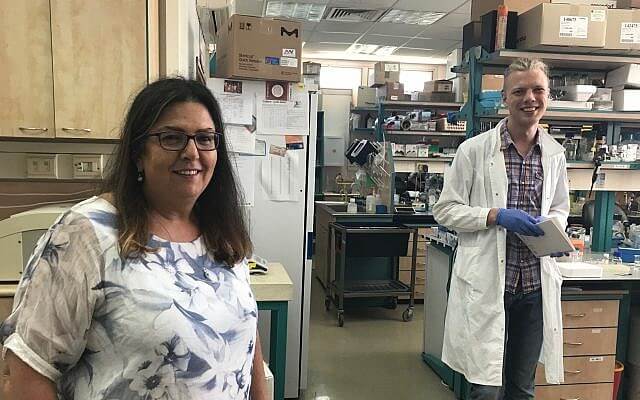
pixel 475 318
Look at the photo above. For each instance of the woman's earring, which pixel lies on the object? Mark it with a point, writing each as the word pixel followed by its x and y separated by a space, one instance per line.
pixel 140 176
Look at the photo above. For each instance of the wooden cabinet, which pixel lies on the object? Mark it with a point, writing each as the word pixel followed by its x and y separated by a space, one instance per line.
pixel 26 82
pixel 75 62
pixel 405 264
pixel 589 336
pixel 6 305
pixel 99 62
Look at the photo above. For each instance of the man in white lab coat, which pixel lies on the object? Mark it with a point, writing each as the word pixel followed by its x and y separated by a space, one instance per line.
pixel 503 312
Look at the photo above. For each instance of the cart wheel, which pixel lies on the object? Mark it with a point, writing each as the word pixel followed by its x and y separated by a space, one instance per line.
pixel 340 319
pixel 392 304
pixel 327 303
pixel 407 315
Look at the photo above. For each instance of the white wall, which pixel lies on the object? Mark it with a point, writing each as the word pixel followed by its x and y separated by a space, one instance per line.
pixel 181 40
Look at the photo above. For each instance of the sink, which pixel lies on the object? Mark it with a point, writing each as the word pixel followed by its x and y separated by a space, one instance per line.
pixel 336 206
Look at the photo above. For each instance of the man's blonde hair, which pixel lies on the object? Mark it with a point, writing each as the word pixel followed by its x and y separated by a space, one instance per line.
pixel 525 64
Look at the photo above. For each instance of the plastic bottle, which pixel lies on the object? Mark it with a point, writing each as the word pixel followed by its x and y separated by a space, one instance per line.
pixel 352 207
pixel 501 27
pixel 370 204
pixel 570 148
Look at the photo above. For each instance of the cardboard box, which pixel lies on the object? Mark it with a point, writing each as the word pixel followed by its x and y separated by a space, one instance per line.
pixel 625 76
pixel 440 85
pixel 481 7
pixel 366 96
pixel 440 97
pixel 259 48
pixel 311 68
pixel 391 91
pixel 623 32
pixel 628 3
pixel 574 27
pixel 626 99
pixel 384 72
pixel 492 82
pixel 602 3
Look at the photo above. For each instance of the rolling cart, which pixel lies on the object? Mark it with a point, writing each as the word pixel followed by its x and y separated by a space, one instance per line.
pixel 371 239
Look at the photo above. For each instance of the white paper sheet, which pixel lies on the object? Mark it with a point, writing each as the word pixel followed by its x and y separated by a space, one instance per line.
pixel 236 108
pixel 278 176
pixel 555 240
pixel 240 139
pixel 246 173
pixel 283 117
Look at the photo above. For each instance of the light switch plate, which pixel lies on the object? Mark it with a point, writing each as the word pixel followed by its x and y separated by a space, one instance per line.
pixel 87 166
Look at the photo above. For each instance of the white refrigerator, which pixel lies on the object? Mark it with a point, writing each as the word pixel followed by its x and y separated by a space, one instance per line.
pixel 281 197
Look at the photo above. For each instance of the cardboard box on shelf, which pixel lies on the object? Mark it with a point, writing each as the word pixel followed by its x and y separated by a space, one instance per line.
pixel 602 3
pixel 626 99
pixel 398 149
pixel 471 35
pixel 440 97
pixel 418 96
pixel 574 27
pixel 259 48
pixel 623 32
pixel 625 76
pixel 440 85
pixel 391 91
pixel 492 82
pixel 366 97
pixel 628 3
pixel 481 7
pixel 384 72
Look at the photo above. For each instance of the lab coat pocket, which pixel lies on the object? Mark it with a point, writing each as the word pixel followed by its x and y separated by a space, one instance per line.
pixel 466 263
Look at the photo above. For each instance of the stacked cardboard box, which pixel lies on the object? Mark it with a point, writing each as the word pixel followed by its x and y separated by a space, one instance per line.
pixel 384 72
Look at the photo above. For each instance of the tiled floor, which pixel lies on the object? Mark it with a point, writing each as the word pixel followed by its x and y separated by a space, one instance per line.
pixel 374 356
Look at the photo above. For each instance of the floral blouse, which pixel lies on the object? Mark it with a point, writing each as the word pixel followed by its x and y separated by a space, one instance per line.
pixel 172 325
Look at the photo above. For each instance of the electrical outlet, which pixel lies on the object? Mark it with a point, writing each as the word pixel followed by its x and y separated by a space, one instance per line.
pixel 87 166
pixel 42 166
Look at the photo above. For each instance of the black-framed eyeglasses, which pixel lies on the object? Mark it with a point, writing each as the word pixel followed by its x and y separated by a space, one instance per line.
pixel 177 141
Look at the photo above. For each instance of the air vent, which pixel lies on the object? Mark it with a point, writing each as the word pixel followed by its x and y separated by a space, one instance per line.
pixel 344 14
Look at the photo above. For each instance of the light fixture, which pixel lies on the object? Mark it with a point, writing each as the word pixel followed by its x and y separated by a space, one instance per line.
pixel 412 17
pixel 385 50
pixel 305 11
pixel 358 48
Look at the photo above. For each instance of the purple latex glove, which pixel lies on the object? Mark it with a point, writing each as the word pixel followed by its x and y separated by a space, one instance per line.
pixel 518 221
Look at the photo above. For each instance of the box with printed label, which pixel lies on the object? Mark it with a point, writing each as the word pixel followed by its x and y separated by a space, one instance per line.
pixel 366 97
pixel 626 99
pixel 259 48
pixel 391 91
pixel 574 27
pixel 441 85
pixel 628 3
pixel 625 76
pixel 602 3
pixel 623 32
pixel 384 72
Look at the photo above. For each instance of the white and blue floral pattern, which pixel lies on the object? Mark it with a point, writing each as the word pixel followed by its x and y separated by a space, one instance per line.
pixel 174 324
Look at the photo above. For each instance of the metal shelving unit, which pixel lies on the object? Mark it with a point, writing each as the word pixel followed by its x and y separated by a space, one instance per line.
pixel 480 62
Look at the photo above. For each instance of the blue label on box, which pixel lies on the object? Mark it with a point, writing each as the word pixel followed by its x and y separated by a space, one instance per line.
pixel 272 60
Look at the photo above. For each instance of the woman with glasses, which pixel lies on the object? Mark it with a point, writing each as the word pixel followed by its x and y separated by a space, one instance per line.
pixel 143 292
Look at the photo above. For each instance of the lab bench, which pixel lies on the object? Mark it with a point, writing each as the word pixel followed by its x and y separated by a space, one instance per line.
pixel 596 322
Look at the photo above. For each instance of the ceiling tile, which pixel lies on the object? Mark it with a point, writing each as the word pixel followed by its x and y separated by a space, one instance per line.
pixel 382 40
pixel 309 26
pixel 334 37
pixel 464 9
pixel 333 26
pixel 316 47
pixel 442 31
pixel 386 28
pixel 428 5
pixel 434 44
pixel 376 4
pixel 454 20
pixel 406 51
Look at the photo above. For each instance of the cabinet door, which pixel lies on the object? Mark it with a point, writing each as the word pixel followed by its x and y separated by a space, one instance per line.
pixel 26 82
pixel 99 63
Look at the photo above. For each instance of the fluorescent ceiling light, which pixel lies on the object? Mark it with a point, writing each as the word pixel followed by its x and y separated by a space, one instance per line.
pixel 385 50
pixel 358 48
pixel 305 11
pixel 412 17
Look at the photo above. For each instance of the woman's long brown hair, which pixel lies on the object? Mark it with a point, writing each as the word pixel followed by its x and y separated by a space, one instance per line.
pixel 218 209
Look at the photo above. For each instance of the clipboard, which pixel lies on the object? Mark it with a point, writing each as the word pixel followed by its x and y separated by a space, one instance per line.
pixel 555 240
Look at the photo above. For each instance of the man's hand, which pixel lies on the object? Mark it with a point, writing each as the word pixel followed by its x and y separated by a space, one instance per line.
pixel 518 221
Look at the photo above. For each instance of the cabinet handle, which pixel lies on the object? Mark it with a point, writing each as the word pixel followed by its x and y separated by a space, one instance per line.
pixel 573 343
pixel 573 372
pixel 77 129
pixel 23 128
pixel 567 398
pixel 581 315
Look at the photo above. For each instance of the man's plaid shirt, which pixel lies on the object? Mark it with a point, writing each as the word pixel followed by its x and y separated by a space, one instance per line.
pixel 525 193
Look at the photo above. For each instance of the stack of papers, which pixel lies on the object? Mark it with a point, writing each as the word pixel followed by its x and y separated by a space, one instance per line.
pixel 555 240
pixel 579 270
